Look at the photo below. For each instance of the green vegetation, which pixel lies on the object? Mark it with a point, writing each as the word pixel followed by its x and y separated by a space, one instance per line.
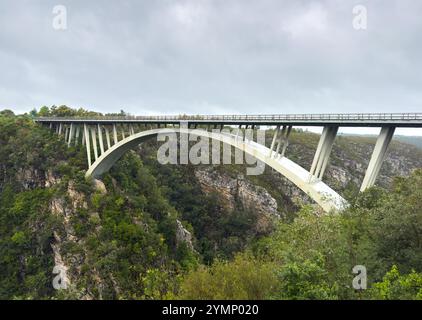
pixel 113 242
pixel 313 257
pixel 121 241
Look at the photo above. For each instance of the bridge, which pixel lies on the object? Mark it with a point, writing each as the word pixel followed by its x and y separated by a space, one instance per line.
pixel 107 139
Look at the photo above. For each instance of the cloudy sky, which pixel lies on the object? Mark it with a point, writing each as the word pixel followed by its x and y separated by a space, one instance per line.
pixel 212 56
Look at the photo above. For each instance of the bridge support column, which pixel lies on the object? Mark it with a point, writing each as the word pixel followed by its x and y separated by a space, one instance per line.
pixel 123 131
pixel 94 142
pixel 71 130
pixel 83 136
pixel 286 141
pixel 323 151
pixel 66 133
pixel 277 131
pixel 116 140
pixel 100 138
pixel 280 140
pixel 378 155
pixel 77 133
pixel 88 144
pixel 107 138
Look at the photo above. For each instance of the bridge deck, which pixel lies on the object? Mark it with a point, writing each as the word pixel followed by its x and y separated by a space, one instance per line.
pixel 343 120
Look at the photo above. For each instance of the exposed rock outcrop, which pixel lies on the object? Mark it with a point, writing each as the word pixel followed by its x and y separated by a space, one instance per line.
pixel 100 186
pixel 240 190
pixel 183 235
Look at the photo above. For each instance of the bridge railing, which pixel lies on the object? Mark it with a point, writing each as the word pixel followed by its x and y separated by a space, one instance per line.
pixel 273 117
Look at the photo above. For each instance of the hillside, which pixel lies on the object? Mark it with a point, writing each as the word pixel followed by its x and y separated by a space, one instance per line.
pixel 147 231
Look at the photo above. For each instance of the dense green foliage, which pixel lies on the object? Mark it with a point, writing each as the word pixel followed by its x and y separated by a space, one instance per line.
pixel 120 242
pixel 313 257
pixel 116 243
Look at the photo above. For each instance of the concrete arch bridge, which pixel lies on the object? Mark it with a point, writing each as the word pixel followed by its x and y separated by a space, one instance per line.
pixel 107 139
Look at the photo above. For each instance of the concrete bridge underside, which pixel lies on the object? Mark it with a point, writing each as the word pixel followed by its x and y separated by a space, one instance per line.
pixel 326 197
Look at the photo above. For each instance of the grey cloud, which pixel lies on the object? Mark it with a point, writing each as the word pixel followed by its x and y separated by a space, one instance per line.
pixel 203 56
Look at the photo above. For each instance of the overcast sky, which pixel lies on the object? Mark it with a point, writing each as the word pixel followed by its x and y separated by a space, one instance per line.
pixel 212 56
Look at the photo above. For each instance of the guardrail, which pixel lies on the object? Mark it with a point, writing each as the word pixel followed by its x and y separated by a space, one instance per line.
pixel 273 117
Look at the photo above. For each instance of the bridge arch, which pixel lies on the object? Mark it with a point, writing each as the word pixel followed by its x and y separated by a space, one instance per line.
pixel 320 192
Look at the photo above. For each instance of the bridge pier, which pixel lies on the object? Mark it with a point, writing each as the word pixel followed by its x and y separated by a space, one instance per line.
pixel 77 134
pixel 70 134
pixel 116 140
pixel 286 141
pixel 83 136
pixel 94 142
pixel 107 137
pixel 88 144
pixel 322 153
pixel 276 133
pixel 100 139
pixel 283 139
pixel 280 140
pixel 378 155
pixel 123 132
pixel 66 133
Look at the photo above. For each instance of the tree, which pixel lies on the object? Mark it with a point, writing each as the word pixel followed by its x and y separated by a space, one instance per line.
pixel 7 113
pixel 33 113
pixel 243 278
pixel 395 286
pixel 44 111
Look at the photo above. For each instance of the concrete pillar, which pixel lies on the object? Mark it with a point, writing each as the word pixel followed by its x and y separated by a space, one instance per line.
pixel 100 138
pixel 71 130
pixel 280 139
pixel 325 154
pixel 88 145
pixel 78 129
pixel 83 136
pixel 378 156
pixel 132 131
pixel 107 138
pixel 60 128
pixel 123 131
pixel 116 140
pixel 276 133
pixel 286 141
pixel 323 151
pixel 94 142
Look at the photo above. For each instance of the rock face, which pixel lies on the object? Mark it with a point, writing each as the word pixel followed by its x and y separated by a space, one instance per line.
pixel 183 235
pixel 29 178
pixel 99 186
pixel 237 188
pixel 240 190
pixel 58 260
